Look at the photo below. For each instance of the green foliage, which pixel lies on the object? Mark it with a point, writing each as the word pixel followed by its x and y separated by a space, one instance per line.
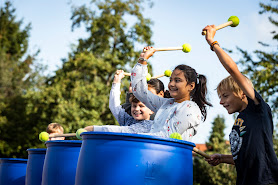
pixel 263 70
pixel 18 74
pixel 275 140
pixel 80 89
pixel 78 94
pixel 214 175
pixel 111 36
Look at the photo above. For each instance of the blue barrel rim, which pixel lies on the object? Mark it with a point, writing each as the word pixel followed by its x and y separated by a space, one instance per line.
pixel 36 150
pixel 76 143
pixel 13 160
pixel 140 136
pixel 64 141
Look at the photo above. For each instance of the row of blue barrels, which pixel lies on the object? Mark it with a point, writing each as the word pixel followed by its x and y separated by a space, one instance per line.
pixel 103 158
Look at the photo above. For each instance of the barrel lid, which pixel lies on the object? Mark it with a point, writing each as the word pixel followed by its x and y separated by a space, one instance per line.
pixel 13 160
pixel 36 150
pixel 76 143
pixel 138 136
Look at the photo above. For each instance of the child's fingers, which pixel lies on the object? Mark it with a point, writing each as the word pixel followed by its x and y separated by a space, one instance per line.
pixel 147 48
pixel 119 72
pixel 209 27
pixel 214 162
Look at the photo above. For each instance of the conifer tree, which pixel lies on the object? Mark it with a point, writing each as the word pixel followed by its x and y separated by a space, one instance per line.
pixel 215 175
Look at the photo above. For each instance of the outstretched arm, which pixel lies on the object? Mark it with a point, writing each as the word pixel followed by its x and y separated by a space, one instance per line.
pixel 216 159
pixel 139 83
pixel 114 99
pixel 230 65
pixel 140 127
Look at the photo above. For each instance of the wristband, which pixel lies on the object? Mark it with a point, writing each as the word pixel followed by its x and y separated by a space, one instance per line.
pixel 142 59
pixel 212 45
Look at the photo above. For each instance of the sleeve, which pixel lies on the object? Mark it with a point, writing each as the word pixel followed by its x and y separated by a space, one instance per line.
pixel 140 88
pixel 127 104
pixel 188 120
pixel 143 127
pixel 115 104
pixel 184 120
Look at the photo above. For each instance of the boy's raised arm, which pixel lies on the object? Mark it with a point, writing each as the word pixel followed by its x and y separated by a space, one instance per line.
pixel 229 64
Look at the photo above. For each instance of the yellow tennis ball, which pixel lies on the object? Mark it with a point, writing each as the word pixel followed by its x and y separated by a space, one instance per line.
pixel 79 131
pixel 175 135
pixel 44 136
pixel 235 20
pixel 186 48
pixel 168 73
pixel 148 77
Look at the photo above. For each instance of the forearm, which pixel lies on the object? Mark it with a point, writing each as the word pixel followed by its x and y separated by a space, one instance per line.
pixel 139 82
pixel 140 88
pixel 89 128
pixel 226 60
pixel 114 99
pixel 232 68
pixel 134 129
pixel 227 159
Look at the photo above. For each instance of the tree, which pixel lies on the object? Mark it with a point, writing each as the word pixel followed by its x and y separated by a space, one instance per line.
pixel 78 94
pixel 18 74
pixel 264 71
pixel 221 174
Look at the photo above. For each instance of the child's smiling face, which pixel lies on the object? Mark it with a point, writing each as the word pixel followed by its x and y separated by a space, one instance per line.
pixel 139 111
pixel 178 86
pixel 231 101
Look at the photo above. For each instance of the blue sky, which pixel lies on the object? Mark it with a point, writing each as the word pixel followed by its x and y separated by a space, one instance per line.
pixel 175 22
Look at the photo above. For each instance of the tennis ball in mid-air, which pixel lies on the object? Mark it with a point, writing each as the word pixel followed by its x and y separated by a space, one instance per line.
pixel 44 136
pixel 175 135
pixel 148 77
pixel 186 48
pixel 168 73
pixel 79 131
pixel 235 20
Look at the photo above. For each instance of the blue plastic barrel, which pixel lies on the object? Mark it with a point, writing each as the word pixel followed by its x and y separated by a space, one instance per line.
pixel 132 159
pixel 60 162
pixel 12 171
pixel 35 166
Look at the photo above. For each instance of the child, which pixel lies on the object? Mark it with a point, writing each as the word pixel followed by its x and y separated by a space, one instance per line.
pixel 139 121
pixel 155 86
pixel 251 135
pixel 55 128
pixel 184 111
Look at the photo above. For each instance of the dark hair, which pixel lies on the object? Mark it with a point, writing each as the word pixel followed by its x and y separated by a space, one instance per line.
pixel 156 84
pixel 133 99
pixel 198 94
pixel 167 94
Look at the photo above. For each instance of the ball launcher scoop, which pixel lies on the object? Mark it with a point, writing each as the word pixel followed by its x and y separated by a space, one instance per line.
pixel 233 21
